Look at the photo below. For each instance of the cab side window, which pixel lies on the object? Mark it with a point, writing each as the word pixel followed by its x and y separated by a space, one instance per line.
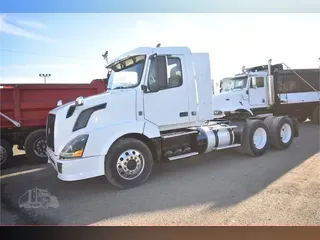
pixel 174 72
pixel 259 82
pixel 165 72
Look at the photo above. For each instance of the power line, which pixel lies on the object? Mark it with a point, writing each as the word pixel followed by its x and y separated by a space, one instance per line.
pixel 37 54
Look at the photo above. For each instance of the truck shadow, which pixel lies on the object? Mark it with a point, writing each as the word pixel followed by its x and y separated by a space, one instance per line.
pixel 218 180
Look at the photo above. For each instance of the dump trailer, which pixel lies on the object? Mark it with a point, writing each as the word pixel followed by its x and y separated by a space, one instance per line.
pixel 158 108
pixel 293 92
pixel 23 113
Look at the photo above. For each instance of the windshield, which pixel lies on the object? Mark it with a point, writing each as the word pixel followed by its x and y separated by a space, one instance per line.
pixel 234 83
pixel 132 65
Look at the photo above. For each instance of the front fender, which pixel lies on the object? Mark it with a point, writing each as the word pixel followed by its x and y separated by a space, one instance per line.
pixel 102 138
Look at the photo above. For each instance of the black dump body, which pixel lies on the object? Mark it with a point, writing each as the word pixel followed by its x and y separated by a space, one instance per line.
pixel 286 81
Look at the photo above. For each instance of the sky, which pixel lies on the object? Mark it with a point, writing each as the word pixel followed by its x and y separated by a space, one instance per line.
pixel 69 46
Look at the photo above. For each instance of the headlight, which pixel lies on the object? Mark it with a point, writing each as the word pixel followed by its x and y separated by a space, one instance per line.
pixel 74 148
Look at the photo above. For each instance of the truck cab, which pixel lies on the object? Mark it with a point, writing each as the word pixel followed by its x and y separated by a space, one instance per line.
pixel 244 93
pixel 157 108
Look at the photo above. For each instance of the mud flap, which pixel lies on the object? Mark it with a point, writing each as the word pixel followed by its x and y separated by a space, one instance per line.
pixel 295 126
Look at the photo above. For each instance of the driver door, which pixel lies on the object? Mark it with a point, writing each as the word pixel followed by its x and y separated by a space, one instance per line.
pixel 166 98
pixel 257 93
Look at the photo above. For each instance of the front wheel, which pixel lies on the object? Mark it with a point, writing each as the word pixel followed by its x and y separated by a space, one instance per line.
pixel 128 163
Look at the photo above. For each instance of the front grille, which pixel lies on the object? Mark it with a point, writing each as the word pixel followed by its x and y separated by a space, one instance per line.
pixel 50 131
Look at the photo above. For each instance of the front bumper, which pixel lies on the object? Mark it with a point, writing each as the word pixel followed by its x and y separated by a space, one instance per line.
pixel 76 169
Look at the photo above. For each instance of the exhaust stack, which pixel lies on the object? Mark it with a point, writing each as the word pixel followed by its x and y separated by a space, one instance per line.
pixel 270 85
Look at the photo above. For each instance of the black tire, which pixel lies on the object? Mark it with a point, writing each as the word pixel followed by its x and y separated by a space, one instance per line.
pixel 268 121
pixel 275 132
pixel 31 142
pixel 6 153
pixel 119 147
pixel 315 118
pixel 247 144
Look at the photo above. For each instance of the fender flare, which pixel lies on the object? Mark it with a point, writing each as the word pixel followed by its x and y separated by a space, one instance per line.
pixel 144 129
pixel 244 110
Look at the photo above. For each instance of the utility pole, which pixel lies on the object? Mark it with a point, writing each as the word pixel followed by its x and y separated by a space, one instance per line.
pixel 45 76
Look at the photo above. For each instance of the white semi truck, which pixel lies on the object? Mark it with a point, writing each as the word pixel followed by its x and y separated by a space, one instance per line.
pixel 158 107
pixel 294 92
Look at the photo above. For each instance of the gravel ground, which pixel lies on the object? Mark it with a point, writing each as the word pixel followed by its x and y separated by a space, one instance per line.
pixel 222 188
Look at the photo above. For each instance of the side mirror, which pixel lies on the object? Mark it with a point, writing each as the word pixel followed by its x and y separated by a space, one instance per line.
pixel 254 82
pixel 144 88
pixel 158 81
pixel 79 101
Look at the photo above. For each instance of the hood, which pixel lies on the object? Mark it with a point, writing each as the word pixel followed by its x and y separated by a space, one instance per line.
pixel 226 102
pixel 106 108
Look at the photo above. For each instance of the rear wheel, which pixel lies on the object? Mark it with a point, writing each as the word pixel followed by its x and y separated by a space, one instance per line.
pixel 281 132
pixel 268 120
pixel 35 146
pixel 6 153
pixel 254 138
pixel 128 163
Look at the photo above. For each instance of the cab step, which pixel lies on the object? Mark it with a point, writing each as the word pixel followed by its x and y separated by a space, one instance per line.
pixel 183 156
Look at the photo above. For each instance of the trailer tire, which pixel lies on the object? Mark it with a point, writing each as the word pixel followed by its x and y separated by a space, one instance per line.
pixel 127 151
pixel 6 153
pixel 281 125
pixel 316 114
pixel 255 139
pixel 35 146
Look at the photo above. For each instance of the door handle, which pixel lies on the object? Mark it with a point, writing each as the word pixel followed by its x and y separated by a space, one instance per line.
pixel 227 99
pixel 183 114
pixel 263 100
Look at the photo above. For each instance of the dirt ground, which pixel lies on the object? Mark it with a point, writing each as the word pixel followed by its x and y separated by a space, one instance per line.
pixel 221 188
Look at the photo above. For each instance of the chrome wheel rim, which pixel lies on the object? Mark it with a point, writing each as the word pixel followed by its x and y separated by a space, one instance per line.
pixel 130 164
pixel 260 138
pixel 285 133
pixel 3 155
pixel 39 147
